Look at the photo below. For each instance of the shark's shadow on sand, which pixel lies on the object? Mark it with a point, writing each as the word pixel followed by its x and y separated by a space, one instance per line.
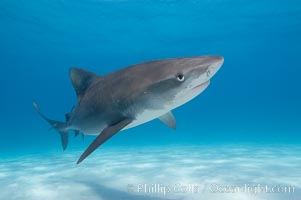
pixel 107 193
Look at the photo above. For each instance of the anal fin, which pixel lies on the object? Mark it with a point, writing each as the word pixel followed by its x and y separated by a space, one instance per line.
pixel 77 132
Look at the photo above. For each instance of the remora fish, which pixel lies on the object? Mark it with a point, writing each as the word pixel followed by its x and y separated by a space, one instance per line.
pixel 133 96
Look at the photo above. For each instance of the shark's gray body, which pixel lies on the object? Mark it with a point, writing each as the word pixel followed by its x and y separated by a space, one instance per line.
pixel 133 95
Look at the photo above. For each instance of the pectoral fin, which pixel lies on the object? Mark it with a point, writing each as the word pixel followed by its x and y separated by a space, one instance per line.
pixel 106 134
pixel 169 120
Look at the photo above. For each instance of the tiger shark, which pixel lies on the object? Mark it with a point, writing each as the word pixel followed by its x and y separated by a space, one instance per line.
pixel 132 96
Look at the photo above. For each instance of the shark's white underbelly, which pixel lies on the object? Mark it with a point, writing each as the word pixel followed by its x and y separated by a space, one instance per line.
pixel 143 117
pixel 148 115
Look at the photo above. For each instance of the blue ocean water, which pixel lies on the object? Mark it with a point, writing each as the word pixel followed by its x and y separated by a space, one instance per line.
pixel 244 129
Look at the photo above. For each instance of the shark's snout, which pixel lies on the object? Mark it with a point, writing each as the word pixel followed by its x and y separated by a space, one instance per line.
pixel 215 64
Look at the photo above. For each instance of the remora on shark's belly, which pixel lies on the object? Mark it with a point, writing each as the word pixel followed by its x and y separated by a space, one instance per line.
pixel 132 96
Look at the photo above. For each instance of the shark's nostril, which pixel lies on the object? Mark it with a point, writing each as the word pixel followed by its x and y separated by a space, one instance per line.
pixel 208 72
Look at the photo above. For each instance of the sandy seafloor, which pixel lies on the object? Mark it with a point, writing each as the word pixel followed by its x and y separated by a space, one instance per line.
pixel 190 172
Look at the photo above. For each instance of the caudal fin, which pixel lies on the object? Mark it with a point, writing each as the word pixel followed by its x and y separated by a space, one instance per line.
pixel 60 127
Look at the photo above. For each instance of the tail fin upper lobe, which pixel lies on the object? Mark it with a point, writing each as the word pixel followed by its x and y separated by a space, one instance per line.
pixel 60 127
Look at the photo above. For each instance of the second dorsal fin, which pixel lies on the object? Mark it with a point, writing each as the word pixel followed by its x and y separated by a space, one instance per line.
pixel 81 80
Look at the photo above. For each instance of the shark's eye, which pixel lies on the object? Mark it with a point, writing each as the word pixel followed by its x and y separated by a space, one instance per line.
pixel 180 77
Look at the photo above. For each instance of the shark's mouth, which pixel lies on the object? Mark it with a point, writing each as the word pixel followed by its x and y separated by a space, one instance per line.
pixel 203 85
pixel 186 96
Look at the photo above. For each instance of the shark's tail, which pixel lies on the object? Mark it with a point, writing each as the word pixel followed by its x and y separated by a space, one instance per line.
pixel 60 127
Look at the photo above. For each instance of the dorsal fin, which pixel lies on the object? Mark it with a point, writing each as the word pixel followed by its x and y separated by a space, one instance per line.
pixel 81 79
